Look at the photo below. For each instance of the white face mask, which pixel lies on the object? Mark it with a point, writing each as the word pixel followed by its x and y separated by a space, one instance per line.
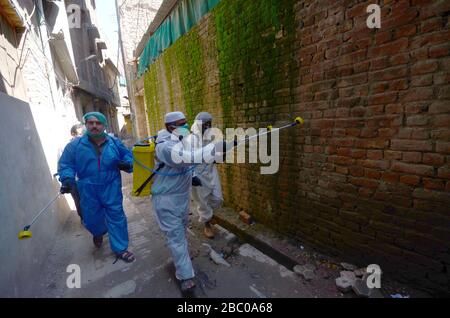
pixel 181 132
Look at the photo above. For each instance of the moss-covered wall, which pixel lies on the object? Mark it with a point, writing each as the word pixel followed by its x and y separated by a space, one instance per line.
pixel 367 177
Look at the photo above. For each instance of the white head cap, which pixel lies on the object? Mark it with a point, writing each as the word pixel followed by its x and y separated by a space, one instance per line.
pixel 174 116
pixel 204 117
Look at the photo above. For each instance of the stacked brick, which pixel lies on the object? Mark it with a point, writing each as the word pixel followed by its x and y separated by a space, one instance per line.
pixel 368 176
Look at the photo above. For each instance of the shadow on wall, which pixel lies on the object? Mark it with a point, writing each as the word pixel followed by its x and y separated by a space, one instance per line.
pixel 2 84
pixel 25 188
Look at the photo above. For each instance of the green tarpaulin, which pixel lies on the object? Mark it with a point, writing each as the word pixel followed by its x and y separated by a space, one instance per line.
pixel 183 17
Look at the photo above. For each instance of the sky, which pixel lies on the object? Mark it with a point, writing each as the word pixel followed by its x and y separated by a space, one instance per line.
pixel 106 15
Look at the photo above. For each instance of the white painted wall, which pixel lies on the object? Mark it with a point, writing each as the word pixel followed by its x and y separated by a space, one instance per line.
pixel 26 186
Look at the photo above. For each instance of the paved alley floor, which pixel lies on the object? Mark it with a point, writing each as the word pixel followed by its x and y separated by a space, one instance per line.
pixel 250 273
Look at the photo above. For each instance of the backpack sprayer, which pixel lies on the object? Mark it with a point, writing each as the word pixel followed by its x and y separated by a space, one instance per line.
pixel 144 160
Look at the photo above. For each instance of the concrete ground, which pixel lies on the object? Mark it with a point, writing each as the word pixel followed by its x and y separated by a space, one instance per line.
pixel 250 274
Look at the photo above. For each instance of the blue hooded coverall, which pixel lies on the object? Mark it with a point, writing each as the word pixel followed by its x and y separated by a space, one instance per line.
pixel 100 186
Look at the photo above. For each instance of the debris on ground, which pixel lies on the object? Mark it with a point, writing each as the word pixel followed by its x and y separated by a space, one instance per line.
pixel 246 218
pixel 305 271
pixel 343 284
pixel 348 275
pixel 360 288
pixel 360 272
pixel 216 257
pixel 399 296
pixel 257 292
pixel 348 267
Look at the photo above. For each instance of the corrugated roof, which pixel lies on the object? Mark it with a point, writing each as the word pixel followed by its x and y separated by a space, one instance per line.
pixel 8 9
pixel 164 10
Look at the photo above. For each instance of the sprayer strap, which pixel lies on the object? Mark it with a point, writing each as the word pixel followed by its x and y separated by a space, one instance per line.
pixel 139 190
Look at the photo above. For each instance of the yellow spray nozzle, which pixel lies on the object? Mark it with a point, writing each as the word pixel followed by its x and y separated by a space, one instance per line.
pixel 23 235
pixel 269 128
pixel 299 120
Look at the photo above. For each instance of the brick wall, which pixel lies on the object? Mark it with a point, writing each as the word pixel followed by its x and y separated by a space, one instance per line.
pixel 368 176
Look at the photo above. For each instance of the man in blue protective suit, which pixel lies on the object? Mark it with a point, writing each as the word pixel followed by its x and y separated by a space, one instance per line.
pixel 94 162
pixel 171 190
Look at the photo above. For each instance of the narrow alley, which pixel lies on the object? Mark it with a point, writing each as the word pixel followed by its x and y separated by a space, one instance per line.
pixel 250 273
pixel 225 149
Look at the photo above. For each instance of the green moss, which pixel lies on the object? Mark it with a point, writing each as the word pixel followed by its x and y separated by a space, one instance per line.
pixel 168 65
pixel 248 59
pixel 252 39
pixel 253 42
pixel 188 53
pixel 152 99
pixel 183 59
pixel 229 183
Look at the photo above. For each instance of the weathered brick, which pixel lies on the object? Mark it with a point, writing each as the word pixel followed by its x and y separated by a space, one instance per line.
pixel 412 145
pixel 390 177
pixel 341 170
pixel 394 109
pixel 372 143
pixel 377 164
pixel 443 147
pixel 418 120
pixel 433 184
pixel 385 98
pixel 363 182
pixel 372 174
pixel 392 155
pixel 444 172
pixel 421 170
pixel 444 92
pixel 413 157
pixel 375 154
pixel 433 159
pixel 424 67
pixel 415 108
pixel 389 74
pixel 431 195
pixel 375 104
pixel 398 85
pixel 406 30
pixel 439 107
pixel 442 120
pixel 430 39
pixel 387 132
pixel 356 171
pixel 441 78
pixel 401 17
pixel 439 51
pixel 431 25
pixel 410 180
pixel 419 93
pixel 422 80
pixel 390 48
